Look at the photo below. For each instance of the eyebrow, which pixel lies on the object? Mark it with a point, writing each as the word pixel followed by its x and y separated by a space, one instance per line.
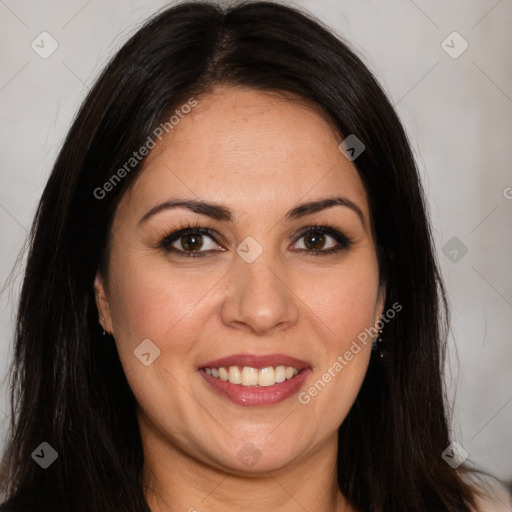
pixel 221 213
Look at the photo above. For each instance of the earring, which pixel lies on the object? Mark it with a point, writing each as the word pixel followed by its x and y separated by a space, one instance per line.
pixel 103 325
pixel 377 344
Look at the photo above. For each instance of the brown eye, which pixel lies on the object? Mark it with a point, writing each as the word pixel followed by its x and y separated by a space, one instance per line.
pixel 192 242
pixel 321 240
pixel 314 241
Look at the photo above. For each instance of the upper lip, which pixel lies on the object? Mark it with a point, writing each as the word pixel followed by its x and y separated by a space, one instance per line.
pixel 257 361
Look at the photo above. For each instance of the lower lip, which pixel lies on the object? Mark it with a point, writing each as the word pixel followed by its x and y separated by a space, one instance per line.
pixel 251 396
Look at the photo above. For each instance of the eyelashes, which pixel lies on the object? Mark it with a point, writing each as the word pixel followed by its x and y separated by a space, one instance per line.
pixel 194 235
pixel 310 235
pixel 190 241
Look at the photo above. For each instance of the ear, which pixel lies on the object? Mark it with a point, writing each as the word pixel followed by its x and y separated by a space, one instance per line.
pixel 381 302
pixel 102 303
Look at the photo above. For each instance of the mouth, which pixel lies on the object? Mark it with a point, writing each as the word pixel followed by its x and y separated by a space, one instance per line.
pixel 252 380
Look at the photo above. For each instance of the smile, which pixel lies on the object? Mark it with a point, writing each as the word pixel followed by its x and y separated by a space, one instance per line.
pixel 252 380
pixel 248 376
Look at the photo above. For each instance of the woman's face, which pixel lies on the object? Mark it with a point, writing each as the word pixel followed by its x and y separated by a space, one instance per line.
pixel 251 289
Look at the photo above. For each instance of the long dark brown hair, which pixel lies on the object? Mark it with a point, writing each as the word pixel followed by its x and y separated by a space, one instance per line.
pixel 68 386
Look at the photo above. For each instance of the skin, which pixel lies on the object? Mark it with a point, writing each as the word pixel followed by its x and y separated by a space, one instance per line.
pixel 259 156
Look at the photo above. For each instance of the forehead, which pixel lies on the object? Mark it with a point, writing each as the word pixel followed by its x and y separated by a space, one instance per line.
pixel 245 148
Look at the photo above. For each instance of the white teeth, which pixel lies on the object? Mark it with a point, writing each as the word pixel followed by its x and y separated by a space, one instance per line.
pixel 280 374
pixel 248 376
pixel 266 376
pixel 234 375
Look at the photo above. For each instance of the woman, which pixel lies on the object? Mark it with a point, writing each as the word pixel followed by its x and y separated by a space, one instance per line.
pixel 231 300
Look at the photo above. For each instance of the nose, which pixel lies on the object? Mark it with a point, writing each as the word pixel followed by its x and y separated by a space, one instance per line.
pixel 259 299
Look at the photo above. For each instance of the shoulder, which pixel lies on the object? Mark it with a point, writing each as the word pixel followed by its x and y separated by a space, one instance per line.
pixel 494 498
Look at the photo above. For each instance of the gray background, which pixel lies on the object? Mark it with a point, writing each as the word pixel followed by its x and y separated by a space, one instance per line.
pixel 457 111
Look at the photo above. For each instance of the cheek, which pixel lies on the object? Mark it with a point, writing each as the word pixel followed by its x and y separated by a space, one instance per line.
pixel 150 301
pixel 343 305
pixel 343 299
